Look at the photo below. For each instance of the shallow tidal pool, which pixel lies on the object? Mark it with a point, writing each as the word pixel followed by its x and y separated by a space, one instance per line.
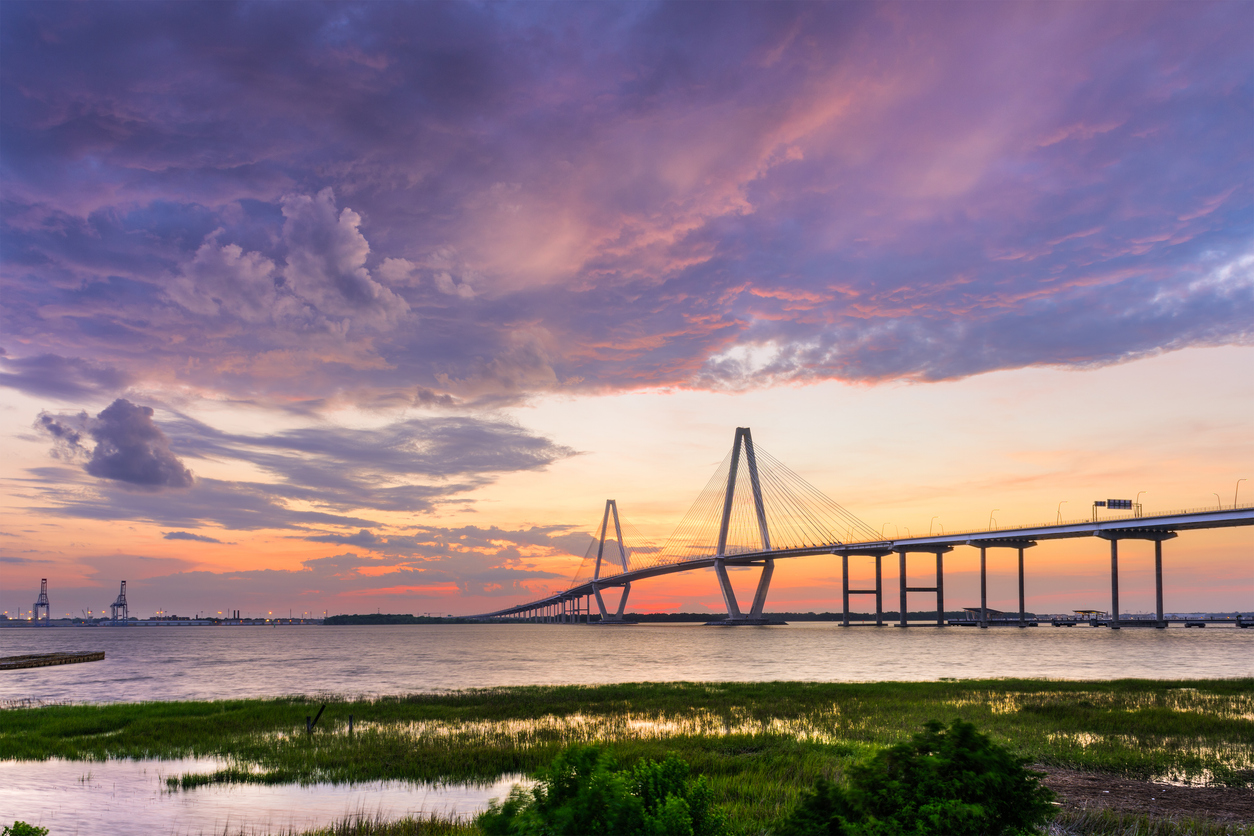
pixel 124 797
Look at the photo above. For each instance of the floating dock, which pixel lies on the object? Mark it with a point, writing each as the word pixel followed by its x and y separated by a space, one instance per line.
pixel 43 660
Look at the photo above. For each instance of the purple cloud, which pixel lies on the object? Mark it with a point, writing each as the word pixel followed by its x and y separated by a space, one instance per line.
pixel 185 535
pixel 129 447
pixel 320 476
pixel 415 203
pixel 63 378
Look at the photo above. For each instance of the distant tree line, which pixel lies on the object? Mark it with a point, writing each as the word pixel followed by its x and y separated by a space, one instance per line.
pixel 392 618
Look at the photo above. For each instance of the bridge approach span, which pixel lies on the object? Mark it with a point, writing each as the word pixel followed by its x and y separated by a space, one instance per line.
pixel 764 491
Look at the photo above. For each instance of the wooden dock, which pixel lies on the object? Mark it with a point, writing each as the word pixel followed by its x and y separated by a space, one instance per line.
pixel 43 660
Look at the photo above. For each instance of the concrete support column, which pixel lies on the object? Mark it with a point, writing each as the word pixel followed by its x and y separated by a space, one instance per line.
pixel 940 589
pixel 844 582
pixel 901 561
pixel 1023 619
pixel 879 591
pixel 1158 581
pixel 1114 584
pixel 983 588
pixel 764 584
pixel 724 584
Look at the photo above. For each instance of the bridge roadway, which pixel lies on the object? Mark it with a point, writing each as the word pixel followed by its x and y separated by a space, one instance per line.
pixel 1155 528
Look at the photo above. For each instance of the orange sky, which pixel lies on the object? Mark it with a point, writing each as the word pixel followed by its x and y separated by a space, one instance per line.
pixel 902 457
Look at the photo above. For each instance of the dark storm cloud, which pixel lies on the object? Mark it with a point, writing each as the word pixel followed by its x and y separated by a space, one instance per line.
pixel 307 204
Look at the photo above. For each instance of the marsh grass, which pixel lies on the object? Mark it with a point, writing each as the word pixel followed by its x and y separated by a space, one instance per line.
pixel 1109 823
pixel 362 824
pixel 759 744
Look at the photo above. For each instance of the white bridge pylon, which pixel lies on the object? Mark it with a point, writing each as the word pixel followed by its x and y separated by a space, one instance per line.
pixel 611 508
pixel 743 443
pixel 752 510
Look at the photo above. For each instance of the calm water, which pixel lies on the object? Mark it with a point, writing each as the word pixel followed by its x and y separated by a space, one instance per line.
pixel 120 798
pixel 169 663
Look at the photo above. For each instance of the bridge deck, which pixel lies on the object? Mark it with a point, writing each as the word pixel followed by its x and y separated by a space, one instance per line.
pixel 1132 527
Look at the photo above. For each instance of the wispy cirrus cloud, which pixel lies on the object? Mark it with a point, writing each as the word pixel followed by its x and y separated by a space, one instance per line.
pixel 316 476
pixel 187 535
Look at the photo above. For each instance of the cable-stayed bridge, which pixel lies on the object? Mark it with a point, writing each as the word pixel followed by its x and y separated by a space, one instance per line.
pixel 755 510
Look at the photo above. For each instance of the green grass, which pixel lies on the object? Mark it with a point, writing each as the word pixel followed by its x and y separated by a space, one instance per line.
pixel 758 743
pixel 1107 823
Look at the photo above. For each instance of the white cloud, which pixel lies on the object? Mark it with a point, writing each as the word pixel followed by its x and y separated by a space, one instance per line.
pixel 222 278
pixel 446 284
pixel 326 263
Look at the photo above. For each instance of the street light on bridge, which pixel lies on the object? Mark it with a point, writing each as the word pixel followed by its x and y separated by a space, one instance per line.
pixel 990 518
pixel 1058 519
pixel 929 524
pixel 1234 493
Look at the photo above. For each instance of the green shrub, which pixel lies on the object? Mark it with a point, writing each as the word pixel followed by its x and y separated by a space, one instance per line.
pixel 583 793
pixel 21 828
pixel 942 782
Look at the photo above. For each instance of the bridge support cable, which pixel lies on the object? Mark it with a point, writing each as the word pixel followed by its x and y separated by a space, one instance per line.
pixel 773 510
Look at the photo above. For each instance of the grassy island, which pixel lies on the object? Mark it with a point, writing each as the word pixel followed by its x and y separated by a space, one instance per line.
pixel 759 745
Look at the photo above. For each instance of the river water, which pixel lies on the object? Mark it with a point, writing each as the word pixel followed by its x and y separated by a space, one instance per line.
pixel 201 663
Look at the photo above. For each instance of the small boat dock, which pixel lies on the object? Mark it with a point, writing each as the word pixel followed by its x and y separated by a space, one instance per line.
pixel 43 660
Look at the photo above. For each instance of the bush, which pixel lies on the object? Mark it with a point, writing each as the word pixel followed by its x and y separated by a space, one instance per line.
pixel 21 828
pixel 583 793
pixel 942 782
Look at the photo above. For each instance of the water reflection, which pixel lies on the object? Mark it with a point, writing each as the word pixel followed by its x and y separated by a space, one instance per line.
pixel 121 798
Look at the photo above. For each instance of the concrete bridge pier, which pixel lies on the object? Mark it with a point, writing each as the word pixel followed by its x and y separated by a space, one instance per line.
pixel 606 616
pixel 984 546
pixel 983 589
pixel 1157 535
pixel 878 591
pixel 939 589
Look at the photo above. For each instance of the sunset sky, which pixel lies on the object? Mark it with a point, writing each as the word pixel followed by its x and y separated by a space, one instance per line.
pixel 370 307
